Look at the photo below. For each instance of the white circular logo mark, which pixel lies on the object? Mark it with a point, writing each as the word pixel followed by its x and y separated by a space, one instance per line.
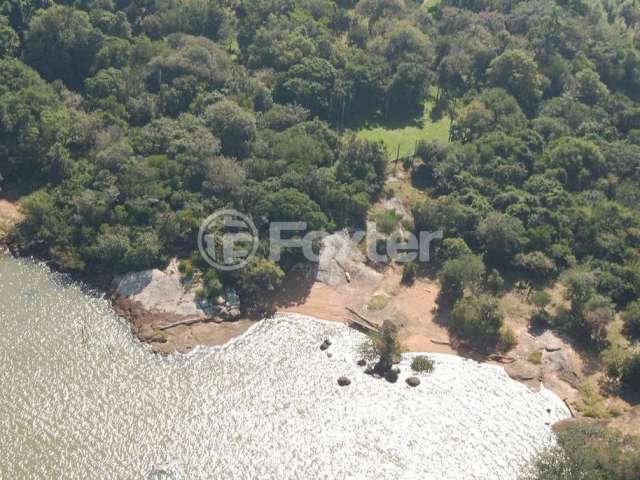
pixel 228 240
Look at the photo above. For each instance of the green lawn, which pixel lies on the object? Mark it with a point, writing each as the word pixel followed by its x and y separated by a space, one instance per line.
pixel 407 137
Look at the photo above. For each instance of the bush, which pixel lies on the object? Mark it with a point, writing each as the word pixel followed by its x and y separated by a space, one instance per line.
pixel 540 319
pixel 454 248
pixel 535 357
pixel 631 372
pixel 541 299
pixel 409 273
pixel 495 282
pixel 508 339
pixel 422 364
pixel 387 221
pixel 632 320
pixel 185 268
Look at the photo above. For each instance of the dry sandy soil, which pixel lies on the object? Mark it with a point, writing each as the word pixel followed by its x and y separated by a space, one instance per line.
pixel 411 308
pixel 9 216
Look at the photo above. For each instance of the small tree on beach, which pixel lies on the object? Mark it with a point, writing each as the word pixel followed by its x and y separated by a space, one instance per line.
pixel 383 347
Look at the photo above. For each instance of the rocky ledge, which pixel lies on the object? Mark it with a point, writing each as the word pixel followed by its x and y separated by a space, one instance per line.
pixel 157 302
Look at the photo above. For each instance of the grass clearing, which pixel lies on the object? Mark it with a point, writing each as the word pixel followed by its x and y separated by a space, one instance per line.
pixel 407 137
pixel 387 221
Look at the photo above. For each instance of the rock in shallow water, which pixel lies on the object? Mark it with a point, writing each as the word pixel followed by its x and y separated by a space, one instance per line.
pixel 413 381
pixel 392 375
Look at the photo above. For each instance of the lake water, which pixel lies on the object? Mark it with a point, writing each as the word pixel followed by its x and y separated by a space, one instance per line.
pixel 81 399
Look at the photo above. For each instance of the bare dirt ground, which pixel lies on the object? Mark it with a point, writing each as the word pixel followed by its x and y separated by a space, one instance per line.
pixel 411 308
pixel 9 216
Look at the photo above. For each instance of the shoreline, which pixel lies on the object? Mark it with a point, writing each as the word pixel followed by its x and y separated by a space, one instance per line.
pixel 207 334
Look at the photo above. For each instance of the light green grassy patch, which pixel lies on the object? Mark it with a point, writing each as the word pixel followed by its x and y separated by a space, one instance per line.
pixel 591 402
pixel 535 357
pixel 377 302
pixel 407 137
pixel 387 221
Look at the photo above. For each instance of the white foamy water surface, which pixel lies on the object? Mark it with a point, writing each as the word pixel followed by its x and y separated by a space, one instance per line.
pixel 80 398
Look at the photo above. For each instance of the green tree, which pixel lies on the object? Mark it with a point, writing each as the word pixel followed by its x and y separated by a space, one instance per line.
pixel 459 274
pixel 235 126
pixel 536 264
pixel 632 319
pixel 383 348
pixel 517 72
pixel 309 83
pixel 363 163
pixel 580 161
pixel 590 89
pixel 61 44
pixel 502 236
pixel 479 320
pixel 588 451
pixel 256 279
pixel 9 40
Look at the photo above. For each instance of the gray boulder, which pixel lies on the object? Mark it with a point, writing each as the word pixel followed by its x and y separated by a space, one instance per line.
pixel 344 381
pixel 413 381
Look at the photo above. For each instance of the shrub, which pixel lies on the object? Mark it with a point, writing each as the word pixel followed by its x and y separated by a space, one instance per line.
pixel 536 264
pixel 454 248
pixel 409 273
pixel 541 299
pixel 377 302
pixel 535 357
pixel 631 372
pixel 495 282
pixel 540 319
pixel 422 364
pixel 185 268
pixel 387 221
pixel 632 319
pixel 508 339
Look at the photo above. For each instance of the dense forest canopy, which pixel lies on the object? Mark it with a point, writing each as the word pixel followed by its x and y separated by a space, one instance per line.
pixel 126 123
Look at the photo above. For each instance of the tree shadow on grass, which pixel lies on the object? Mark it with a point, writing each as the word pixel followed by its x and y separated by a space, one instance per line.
pixel 396 119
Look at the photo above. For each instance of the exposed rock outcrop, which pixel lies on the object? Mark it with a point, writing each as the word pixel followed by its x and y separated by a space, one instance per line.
pixel 344 381
pixel 342 262
pixel 164 291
